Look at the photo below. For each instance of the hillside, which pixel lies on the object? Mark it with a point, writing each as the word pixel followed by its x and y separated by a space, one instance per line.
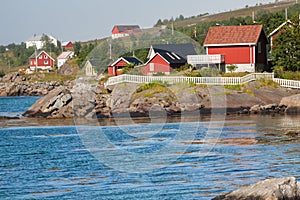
pixel 244 12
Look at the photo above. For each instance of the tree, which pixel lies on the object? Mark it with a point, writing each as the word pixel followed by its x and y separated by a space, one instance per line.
pixel 158 23
pixel 286 52
pixel 77 48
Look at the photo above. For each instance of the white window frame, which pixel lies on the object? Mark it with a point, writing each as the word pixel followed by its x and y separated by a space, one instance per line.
pixel 151 67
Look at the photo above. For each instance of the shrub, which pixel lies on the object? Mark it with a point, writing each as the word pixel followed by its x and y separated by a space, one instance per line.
pixel 184 67
pixel 2 73
pixel 232 68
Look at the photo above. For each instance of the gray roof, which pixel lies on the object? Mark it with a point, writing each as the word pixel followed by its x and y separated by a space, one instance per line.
pixel 182 50
pixel 95 63
pixel 37 54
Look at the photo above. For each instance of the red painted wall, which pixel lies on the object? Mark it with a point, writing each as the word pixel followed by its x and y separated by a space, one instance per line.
pixel 160 65
pixel 117 67
pixel 121 63
pixel 41 61
pixel 110 71
pixel 234 54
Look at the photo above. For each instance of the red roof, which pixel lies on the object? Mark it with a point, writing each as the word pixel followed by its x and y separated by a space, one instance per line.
pixel 233 35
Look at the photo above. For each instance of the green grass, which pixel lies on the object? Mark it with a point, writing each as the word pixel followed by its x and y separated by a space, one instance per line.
pixel 235 74
pixel 157 85
pixel 267 83
pixel 48 77
pixel 233 87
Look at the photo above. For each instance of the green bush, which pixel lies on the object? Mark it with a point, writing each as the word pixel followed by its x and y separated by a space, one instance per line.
pixel 184 67
pixel 2 73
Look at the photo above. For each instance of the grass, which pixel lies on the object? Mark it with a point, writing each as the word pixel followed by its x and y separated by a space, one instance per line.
pixel 159 86
pixel 244 12
pixel 267 83
pixel 248 91
pixel 233 87
pixel 49 77
pixel 235 74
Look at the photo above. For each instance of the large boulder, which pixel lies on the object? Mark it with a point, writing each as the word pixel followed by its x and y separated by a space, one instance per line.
pixel 292 103
pixel 54 105
pixel 269 189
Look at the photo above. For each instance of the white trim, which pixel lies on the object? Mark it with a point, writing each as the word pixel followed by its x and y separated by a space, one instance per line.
pixel 233 44
pixel 254 56
pixel 154 56
pixel 119 61
pixel 279 27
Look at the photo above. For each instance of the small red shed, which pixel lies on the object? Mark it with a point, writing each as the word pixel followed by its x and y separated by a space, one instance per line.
pixel 116 67
pixel 243 46
pixel 41 61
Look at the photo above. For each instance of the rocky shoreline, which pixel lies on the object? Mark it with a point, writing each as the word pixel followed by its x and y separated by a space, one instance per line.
pixel 17 85
pixel 129 100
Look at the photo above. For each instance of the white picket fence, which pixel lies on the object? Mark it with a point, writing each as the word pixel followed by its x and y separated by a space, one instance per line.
pixel 126 78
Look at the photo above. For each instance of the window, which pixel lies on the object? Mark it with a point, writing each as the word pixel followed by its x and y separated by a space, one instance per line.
pixel 45 56
pixel 151 67
pixel 46 62
pixel 259 47
pixel 41 57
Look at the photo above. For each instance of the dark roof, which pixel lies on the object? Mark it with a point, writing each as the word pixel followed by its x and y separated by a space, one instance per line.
pixel 133 60
pixel 233 35
pixel 182 50
pixel 128 60
pixel 127 28
pixel 170 57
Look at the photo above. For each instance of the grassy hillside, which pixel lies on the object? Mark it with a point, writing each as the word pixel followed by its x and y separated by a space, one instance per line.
pixel 271 7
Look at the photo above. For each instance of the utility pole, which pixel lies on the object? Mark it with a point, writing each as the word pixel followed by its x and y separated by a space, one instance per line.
pixel 110 48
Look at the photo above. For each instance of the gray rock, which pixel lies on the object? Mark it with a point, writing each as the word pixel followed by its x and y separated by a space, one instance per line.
pixel 269 189
pixel 292 103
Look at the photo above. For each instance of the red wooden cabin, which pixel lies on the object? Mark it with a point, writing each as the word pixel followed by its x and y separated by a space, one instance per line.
pixel 243 46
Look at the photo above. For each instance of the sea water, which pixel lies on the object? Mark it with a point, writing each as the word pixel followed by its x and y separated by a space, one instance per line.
pixel 146 160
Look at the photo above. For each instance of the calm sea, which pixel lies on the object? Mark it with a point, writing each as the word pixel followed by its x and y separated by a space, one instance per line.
pixel 199 159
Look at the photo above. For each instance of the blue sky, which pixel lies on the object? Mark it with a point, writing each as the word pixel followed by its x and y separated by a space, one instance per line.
pixel 82 20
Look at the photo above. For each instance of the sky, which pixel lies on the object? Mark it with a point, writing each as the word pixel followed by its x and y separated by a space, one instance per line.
pixel 83 20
